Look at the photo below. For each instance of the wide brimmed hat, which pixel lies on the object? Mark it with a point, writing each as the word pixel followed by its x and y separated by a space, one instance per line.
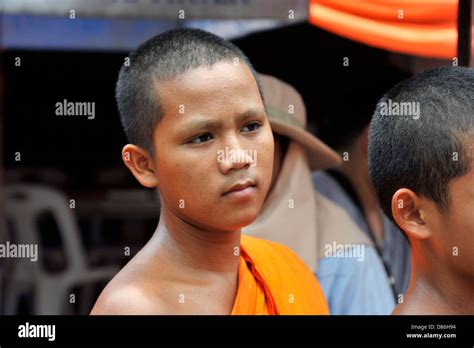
pixel 287 115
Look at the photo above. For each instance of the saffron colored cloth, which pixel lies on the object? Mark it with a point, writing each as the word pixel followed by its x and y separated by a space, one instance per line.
pixel 273 280
pixel 417 27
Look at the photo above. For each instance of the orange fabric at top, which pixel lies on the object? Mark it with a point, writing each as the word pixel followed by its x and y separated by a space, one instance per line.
pixel 418 27
pixel 273 280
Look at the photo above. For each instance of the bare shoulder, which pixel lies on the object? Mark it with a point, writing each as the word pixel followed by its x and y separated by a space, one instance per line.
pixel 134 290
pixel 125 300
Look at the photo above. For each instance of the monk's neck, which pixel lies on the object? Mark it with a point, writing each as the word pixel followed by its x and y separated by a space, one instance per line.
pixel 438 291
pixel 181 243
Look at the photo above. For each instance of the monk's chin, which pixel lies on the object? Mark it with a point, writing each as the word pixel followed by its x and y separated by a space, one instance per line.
pixel 240 222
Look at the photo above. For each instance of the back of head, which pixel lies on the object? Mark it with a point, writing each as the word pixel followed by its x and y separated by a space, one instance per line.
pixel 163 58
pixel 420 135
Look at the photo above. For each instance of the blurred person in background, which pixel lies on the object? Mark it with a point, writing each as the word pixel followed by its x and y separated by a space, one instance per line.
pixel 301 218
pixel 349 185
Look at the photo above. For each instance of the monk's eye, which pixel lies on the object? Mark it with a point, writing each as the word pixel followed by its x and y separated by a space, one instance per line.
pixel 201 139
pixel 252 127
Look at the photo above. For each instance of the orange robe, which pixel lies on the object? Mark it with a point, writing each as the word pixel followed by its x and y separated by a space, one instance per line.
pixel 273 280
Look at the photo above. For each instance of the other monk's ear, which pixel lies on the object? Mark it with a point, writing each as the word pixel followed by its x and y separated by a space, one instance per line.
pixel 410 213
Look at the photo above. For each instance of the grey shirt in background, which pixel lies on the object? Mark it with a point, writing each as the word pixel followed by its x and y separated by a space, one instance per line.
pixel 395 248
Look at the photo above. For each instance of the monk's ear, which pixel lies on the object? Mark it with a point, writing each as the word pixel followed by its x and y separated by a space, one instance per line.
pixel 140 164
pixel 410 213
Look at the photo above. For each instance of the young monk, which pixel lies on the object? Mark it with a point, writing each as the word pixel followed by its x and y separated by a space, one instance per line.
pixel 192 109
pixel 421 160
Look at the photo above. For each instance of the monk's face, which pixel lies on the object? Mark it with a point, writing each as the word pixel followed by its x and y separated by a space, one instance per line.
pixel 213 147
